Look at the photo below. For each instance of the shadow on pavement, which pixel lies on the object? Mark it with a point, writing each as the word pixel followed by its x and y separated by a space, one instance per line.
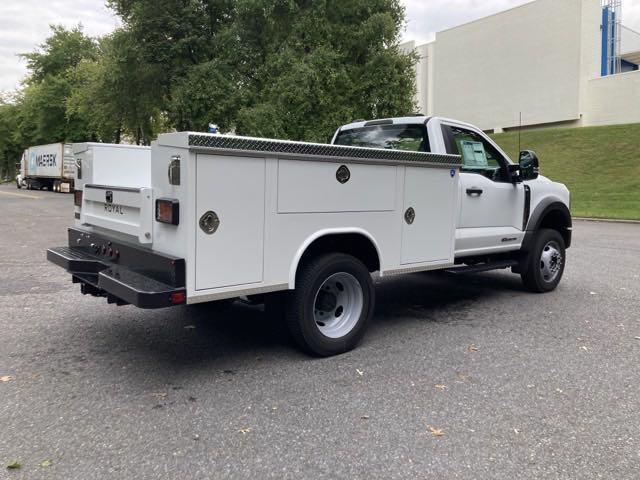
pixel 209 337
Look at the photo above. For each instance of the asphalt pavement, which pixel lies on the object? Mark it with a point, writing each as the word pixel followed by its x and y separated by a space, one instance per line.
pixel 458 378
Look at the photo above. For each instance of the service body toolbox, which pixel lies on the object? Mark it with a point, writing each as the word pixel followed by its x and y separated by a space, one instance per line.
pixel 230 216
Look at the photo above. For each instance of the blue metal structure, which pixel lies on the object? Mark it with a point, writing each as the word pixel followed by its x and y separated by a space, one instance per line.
pixel 611 31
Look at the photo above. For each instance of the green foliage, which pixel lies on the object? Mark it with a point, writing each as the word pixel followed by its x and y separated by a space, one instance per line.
pixel 600 165
pixel 118 93
pixel 10 149
pixel 208 92
pixel 62 51
pixel 294 69
pixel 38 113
pixel 42 104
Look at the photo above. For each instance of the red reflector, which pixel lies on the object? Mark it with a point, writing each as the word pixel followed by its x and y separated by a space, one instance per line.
pixel 77 198
pixel 167 211
pixel 178 298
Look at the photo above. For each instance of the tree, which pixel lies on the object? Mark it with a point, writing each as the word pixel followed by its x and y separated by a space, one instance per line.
pixel 62 50
pixel 171 44
pixel 324 63
pixel 118 93
pixel 293 69
pixel 10 150
pixel 43 115
pixel 282 68
pixel 38 113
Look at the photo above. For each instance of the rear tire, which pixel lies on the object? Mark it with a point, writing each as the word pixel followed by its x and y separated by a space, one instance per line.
pixel 543 266
pixel 329 311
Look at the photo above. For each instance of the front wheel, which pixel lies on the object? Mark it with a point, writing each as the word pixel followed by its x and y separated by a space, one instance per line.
pixel 544 264
pixel 328 312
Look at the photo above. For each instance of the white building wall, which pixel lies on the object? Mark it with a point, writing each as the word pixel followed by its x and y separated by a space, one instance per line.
pixel 527 60
pixel 424 75
pixel 630 40
pixel 541 59
pixel 614 99
pixel 591 49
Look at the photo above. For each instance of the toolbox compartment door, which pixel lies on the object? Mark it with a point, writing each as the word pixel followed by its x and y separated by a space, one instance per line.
pixel 233 189
pixel 428 232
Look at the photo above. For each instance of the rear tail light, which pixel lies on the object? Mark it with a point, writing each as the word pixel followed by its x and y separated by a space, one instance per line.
pixel 168 211
pixel 77 198
pixel 178 298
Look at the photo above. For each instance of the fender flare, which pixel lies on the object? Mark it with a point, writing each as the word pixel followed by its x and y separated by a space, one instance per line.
pixel 546 206
pixel 293 269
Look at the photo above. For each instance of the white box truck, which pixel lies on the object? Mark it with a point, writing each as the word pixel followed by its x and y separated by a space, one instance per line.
pixel 227 216
pixel 48 166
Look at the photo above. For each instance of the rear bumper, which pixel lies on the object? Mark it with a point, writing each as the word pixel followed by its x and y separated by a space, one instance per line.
pixel 123 273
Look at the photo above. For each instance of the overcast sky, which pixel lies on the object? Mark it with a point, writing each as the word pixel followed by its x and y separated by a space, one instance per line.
pixel 24 24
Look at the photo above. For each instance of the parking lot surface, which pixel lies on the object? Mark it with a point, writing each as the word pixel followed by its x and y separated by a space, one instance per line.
pixel 458 378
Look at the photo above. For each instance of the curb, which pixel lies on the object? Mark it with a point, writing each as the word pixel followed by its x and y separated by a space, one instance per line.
pixel 607 220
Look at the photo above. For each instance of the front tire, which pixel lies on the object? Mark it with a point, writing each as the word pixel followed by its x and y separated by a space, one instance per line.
pixel 329 311
pixel 544 264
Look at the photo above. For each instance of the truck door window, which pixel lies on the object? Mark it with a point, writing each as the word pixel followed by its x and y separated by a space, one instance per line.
pixel 391 137
pixel 478 155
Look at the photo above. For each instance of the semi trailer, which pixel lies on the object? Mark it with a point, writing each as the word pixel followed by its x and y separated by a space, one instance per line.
pixel 47 166
pixel 308 224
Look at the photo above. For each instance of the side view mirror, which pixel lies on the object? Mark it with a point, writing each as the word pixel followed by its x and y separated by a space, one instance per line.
pixel 514 173
pixel 529 165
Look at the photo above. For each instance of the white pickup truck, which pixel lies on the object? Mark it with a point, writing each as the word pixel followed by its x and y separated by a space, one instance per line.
pixel 226 216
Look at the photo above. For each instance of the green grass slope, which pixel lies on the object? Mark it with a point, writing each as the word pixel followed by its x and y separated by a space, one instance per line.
pixel 600 165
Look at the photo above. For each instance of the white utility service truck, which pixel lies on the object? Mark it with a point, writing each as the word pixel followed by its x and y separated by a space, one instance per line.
pixel 227 216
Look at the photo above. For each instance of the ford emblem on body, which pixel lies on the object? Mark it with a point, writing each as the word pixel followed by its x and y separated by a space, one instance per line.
pixel 108 196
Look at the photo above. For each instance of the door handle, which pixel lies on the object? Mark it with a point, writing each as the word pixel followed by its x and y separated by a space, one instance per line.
pixel 474 191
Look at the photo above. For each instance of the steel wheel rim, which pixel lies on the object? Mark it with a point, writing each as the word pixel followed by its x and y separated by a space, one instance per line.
pixel 551 261
pixel 338 305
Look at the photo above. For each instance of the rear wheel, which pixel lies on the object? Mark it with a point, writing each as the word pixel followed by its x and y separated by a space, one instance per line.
pixel 328 312
pixel 544 264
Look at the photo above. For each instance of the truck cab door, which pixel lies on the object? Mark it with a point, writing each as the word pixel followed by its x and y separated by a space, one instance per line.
pixel 490 219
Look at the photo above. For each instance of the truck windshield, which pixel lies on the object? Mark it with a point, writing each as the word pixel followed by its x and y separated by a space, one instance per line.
pixel 391 137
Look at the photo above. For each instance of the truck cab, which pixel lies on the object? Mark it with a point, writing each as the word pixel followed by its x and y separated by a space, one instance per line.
pixel 502 205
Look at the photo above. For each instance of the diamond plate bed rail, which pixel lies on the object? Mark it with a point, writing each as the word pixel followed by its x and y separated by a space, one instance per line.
pixel 329 152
